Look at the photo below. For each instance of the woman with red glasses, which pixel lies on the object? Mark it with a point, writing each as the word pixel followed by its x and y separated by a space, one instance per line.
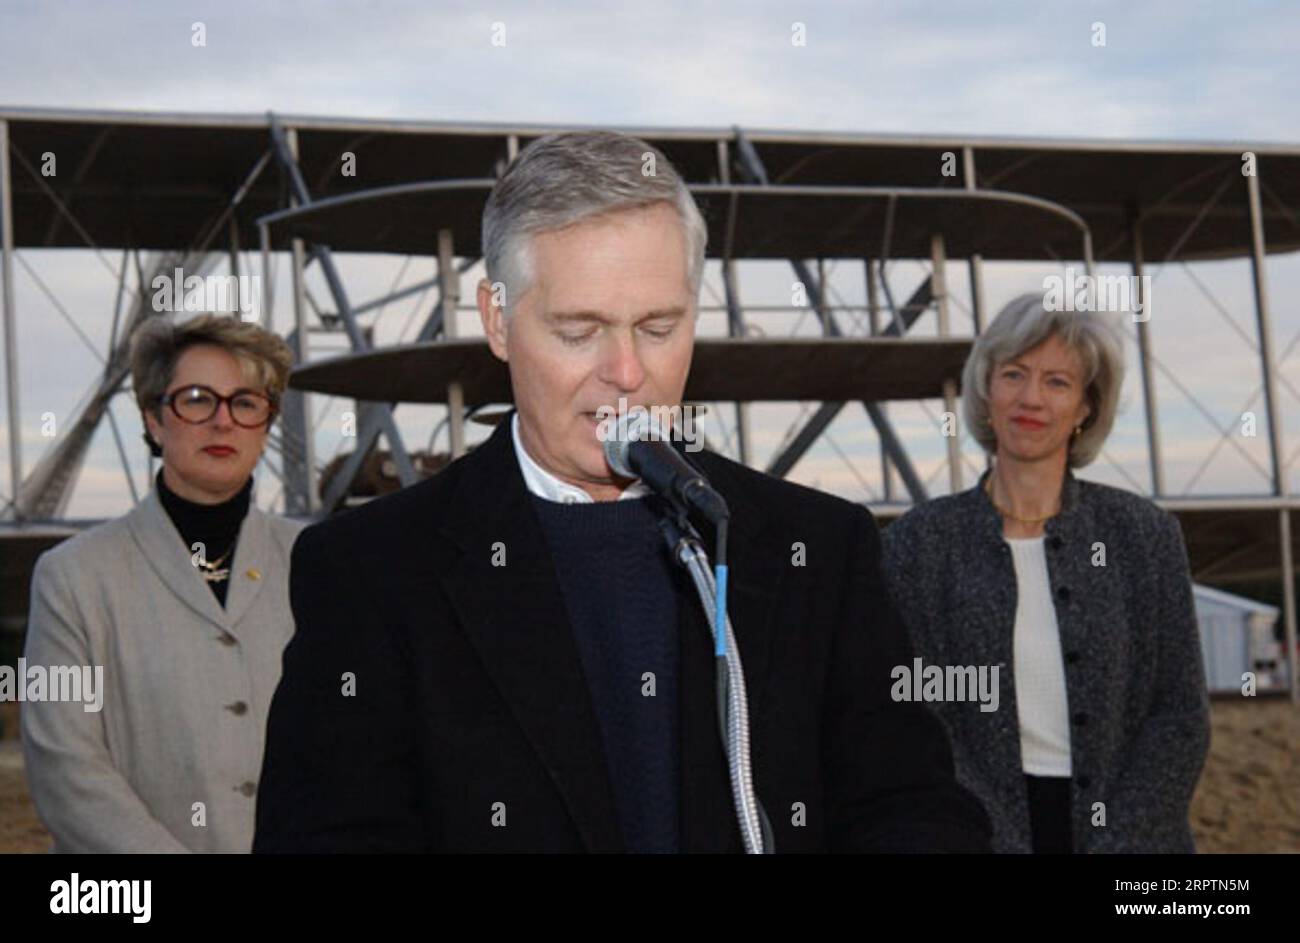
pixel 184 605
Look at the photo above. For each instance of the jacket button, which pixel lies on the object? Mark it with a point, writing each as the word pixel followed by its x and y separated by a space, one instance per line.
pixel 1083 782
pixel 248 789
pixel 225 638
pixel 1055 543
pixel 1080 719
pixel 1071 658
pixel 1063 593
pixel 239 708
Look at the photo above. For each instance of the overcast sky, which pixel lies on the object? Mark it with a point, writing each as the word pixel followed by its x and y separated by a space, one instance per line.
pixel 1184 70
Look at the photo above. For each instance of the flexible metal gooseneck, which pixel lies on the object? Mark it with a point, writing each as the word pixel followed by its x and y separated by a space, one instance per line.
pixel 733 705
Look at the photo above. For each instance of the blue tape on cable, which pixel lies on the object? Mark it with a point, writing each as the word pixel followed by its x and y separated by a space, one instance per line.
pixel 720 614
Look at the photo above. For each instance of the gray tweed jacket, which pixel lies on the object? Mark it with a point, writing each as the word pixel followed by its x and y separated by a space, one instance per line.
pixel 1135 683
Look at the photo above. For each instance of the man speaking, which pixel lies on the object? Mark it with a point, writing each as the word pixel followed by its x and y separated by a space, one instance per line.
pixel 508 658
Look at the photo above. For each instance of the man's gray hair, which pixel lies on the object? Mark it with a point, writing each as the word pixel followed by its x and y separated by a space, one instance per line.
pixel 1024 324
pixel 561 179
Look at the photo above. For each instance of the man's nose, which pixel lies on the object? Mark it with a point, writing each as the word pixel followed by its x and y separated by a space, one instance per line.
pixel 622 366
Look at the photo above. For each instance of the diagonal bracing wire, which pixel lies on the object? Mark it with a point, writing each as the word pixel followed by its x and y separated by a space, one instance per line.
pixel 63 209
pixel 45 289
pixel 1226 433
pixel 1247 405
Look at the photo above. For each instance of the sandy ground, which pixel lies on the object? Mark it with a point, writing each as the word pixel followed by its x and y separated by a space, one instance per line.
pixel 1248 799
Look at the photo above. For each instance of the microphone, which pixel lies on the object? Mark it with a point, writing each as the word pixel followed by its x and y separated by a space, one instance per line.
pixel 638 448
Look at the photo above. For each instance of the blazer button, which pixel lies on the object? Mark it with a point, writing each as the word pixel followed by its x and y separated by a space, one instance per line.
pixel 1080 719
pixel 1083 782
pixel 1063 593
pixel 248 789
pixel 225 638
pixel 1071 658
pixel 1055 543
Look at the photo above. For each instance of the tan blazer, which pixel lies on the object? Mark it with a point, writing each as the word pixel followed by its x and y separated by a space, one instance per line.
pixel 171 761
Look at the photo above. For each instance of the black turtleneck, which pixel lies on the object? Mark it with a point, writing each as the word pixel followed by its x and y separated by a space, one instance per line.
pixel 216 526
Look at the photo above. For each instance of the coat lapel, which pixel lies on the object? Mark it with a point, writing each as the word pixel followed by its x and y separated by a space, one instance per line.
pixel 514 615
pixel 248 569
pixel 165 550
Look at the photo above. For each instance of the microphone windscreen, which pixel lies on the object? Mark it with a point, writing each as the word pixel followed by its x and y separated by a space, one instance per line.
pixel 620 432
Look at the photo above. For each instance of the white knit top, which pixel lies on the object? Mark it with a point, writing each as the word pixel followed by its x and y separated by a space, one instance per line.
pixel 1039 669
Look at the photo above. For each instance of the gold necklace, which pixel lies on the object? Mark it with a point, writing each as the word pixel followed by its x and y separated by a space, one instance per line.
pixel 988 490
pixel 211 572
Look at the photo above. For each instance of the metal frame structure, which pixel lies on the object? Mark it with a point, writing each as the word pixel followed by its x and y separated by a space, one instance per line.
pixel 724 165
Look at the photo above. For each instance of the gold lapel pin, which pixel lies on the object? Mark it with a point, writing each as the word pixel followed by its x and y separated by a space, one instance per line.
pixel 254 574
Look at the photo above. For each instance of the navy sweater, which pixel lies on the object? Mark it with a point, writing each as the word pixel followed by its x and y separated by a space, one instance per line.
pixel 618 585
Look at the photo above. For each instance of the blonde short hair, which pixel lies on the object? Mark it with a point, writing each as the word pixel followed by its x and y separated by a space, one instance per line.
pixel 158 343
pixel 1024 324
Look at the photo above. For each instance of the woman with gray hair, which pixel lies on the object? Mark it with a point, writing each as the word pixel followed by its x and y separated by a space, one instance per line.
pixel 1074 596
pixel 179 611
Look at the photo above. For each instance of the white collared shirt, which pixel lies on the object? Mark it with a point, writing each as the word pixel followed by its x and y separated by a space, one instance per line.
pixel 545 485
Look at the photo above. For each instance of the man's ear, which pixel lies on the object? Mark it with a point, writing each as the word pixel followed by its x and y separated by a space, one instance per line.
pixel 493 318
